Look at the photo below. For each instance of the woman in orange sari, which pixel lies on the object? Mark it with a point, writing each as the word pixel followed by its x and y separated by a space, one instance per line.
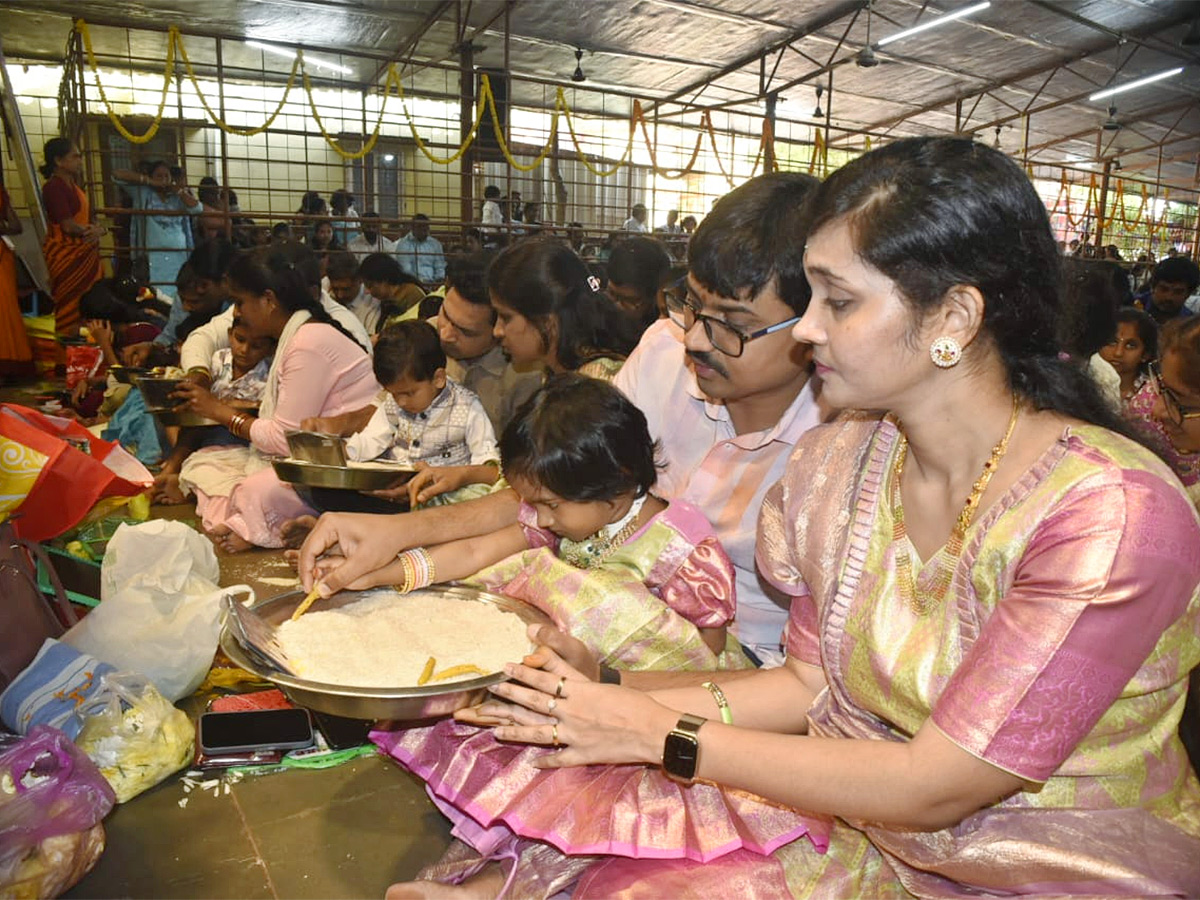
pixel 71 247
pixel 15 354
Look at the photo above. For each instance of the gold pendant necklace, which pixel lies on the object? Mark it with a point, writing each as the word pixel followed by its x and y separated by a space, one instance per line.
pixel 593 550
pixel 914 600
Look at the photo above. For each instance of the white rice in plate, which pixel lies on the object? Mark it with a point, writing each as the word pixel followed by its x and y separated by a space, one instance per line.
pixel 385 639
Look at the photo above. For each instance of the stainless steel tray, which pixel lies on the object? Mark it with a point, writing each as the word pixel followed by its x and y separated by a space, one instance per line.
pixel 297 471
pixel 407 704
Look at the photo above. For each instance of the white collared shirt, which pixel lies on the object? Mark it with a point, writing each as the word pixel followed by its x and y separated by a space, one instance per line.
pixel 724 474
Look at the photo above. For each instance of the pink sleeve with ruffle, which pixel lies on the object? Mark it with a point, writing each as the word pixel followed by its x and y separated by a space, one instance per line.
pixel 1113 566
pixel 537 537
pixel 775 556
pixel 702 590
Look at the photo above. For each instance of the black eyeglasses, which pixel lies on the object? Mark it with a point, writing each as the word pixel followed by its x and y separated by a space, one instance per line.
pixel 1176 411
pixel 721 334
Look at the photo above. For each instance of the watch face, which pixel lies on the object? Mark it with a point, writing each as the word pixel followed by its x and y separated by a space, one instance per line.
pixel 680 754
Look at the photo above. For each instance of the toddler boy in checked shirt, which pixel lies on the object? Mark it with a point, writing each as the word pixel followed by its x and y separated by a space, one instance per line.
pixel 425 419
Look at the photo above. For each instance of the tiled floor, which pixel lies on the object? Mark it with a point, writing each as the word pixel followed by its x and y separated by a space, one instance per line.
pixel 348 831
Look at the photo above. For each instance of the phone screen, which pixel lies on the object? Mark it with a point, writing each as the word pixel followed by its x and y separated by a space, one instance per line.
pixel 285 729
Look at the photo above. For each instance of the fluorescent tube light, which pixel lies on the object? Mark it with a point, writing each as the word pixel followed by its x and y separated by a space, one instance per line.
pixel 291 54
pixel 1149 79
pixel 933 23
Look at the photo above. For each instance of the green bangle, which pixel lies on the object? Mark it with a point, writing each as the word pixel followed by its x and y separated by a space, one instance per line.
pixel 722 702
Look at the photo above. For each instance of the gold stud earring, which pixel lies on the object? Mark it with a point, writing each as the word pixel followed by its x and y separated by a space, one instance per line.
pixel 945 352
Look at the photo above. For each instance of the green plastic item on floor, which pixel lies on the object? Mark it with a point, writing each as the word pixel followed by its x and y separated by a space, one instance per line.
pixel 326 759
pixel 308 759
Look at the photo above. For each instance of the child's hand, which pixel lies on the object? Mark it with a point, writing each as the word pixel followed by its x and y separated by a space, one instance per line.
pixel 200 401
pixel 102 331
pixel 433 480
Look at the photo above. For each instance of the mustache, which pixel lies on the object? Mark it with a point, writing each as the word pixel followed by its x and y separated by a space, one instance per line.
pixel 705 358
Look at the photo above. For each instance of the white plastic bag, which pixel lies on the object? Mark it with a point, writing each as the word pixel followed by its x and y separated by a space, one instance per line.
pixel 160 609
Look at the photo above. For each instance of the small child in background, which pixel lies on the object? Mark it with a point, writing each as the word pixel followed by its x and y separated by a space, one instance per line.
pixel 240 370
pixel 239 379
pixel 1132 350
pixel 425 420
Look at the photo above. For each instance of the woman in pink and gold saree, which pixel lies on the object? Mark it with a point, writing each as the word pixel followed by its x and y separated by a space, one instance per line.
pixel 993 594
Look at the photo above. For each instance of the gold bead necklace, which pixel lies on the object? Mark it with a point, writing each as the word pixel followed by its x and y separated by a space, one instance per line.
pixel 918 603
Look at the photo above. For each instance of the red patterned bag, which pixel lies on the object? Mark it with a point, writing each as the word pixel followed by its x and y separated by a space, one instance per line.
pixel 53 471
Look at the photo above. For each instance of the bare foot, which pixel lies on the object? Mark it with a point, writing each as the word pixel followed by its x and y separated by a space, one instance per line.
pixel 167 492
pixel 296 530
pixel 484 886
pixel 228 540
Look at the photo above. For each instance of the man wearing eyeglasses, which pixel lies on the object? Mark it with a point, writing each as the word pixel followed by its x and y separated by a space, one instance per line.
pixel 723 387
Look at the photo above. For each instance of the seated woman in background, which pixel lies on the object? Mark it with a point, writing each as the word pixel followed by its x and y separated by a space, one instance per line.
pixel 1132 349
pixel 1168 403
pixel 399 294
pixel 551 312
pixel 986 695
pixel 72 243
pixel 318 370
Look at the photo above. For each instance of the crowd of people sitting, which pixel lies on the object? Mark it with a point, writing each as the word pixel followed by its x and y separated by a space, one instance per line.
pixel 736 486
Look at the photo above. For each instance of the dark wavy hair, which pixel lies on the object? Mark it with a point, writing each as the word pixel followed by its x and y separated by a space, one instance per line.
pixel 291 271
pixel 754 237
pixel 934 212
pixel 545 281
pixel 212 258
pixel 582 439
pixel 55 148
pixel 408 349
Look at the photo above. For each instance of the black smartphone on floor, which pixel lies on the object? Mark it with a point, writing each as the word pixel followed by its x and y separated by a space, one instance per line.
pixel 227 733
pixel 342 733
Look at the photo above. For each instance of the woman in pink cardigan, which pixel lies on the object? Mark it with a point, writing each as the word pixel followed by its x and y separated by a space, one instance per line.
pixel 318 370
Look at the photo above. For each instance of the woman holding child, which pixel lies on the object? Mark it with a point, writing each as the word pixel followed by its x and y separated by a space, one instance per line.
pixel 986 695
pixel 318 370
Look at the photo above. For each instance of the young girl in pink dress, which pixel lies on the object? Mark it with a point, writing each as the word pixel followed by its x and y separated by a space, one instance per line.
pixel 644 584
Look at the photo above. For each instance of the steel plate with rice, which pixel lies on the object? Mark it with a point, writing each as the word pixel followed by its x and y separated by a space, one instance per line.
pixel 355 476
pixel 408 702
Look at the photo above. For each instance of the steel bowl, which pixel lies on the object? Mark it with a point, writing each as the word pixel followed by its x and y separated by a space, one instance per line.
pixel 315 447
pixel 406 704
pixel 349 477
pixel 185 418
pixel 157 391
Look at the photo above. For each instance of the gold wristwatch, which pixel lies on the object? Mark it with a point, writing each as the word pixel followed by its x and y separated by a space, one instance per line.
pixel 681 749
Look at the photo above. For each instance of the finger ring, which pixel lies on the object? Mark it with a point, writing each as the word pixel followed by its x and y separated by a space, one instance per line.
pixel 558 691
pixel 554 734
pixel 550 707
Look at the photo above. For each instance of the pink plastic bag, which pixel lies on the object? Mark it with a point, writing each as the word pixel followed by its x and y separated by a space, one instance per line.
pixel 52 798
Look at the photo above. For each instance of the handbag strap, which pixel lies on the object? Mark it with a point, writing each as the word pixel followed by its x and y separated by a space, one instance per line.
pixel 59 602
